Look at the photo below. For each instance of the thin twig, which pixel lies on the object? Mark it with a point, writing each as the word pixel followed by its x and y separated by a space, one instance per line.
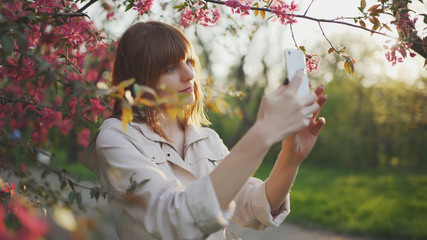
pixel 323 33
pixel 20 100
pixel 305 13
pixel 86 6
pixel 71 14
pixel 293 36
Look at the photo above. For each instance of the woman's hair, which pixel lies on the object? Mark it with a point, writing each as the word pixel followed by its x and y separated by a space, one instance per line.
pixel 144 52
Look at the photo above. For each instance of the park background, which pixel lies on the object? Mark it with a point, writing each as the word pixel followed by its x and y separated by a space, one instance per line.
pixel 367 174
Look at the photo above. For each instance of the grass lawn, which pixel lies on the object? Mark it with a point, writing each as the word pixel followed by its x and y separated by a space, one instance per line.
pixel 389 204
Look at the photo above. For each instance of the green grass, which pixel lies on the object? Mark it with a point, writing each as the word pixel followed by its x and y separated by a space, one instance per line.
pixel 76 169
pixel 389 204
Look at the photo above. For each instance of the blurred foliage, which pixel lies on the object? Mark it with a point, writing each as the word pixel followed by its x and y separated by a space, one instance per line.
pixel 383 125
pixel 388 204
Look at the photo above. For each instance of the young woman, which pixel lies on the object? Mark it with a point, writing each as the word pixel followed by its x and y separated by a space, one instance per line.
pixel 194 184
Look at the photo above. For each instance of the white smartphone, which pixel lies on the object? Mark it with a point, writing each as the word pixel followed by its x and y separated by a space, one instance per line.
pixel 295 60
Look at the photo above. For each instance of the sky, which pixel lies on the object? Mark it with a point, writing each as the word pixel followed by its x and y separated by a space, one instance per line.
pixel 272 38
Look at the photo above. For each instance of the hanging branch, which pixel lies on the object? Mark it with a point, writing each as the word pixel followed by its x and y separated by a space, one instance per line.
pixel 293 36
pixel 305 13
pixel 324 35
pixel 319 20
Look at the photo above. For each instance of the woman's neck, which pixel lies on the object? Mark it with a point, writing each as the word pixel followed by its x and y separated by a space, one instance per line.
pixel 175 131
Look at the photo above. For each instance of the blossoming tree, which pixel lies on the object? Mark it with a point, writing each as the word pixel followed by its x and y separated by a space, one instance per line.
pixel 54 77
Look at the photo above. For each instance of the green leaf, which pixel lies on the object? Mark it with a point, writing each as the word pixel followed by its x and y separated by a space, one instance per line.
pixel 46 172
pixel 132 188
pixel 7 44
pixel 362 4
pixel 63 184
pixel 79 200
pixel 22 42
pixel 95 192
pixel 71 196
pixel 129 6
pixel 71 184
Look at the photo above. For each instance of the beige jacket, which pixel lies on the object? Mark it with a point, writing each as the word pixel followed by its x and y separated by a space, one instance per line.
pixel 178 201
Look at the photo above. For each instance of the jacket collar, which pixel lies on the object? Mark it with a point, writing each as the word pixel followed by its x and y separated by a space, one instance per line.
pixel 192 133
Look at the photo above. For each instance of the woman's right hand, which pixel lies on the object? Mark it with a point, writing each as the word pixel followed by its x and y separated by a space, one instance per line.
pixel 282 112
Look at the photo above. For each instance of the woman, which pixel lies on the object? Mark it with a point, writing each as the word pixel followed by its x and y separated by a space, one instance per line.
pixel 190 184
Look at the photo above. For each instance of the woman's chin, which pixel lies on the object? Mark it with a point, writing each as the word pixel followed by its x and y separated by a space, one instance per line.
pixel 186 98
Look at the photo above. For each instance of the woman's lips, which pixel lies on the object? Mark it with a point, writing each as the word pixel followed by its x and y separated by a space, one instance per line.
pixel 187 90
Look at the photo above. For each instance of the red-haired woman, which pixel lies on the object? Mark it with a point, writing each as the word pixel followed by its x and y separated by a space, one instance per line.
pixel 195 184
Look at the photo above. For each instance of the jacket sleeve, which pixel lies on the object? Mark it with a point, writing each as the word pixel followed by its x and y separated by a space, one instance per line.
pixel 252 206
pixel 253 209
pixel 162 205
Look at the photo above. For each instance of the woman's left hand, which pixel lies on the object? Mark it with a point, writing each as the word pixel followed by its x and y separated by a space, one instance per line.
pixel 297 147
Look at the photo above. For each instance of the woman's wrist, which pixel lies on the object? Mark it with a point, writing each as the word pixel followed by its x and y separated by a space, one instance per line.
pixel 289 161
pixel 259 129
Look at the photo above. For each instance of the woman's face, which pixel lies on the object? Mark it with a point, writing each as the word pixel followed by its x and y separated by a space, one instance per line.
pixel 178 81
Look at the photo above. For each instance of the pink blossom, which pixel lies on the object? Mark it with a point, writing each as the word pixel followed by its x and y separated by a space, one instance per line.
pixel 2 225
pixel 47 118
pixel 33 227
pixel 39 135
pixel 239 7
pixel 64 126
pixel 284 12
pixel 96 107
pixel 312 62
pixel 83 137
pixel 206 17
pixel 110 15
pixel 143 6
pixel 9 188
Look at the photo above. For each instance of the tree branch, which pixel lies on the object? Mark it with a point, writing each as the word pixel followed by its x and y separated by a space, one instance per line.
pixel 63 14
pixel 319 20
pixel 305 13
pixel 323 33
pixel 86 6
pixel 293 36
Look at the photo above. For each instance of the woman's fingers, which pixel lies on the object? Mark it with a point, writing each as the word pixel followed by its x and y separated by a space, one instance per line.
pixel 296 81
pixel 309 99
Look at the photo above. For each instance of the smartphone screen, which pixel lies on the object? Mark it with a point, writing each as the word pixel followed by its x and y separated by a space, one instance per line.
pixel 295 60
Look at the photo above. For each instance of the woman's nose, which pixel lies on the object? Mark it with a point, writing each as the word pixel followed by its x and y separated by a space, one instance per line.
pixel 188 72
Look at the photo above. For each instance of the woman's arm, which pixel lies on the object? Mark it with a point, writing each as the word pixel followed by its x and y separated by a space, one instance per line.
pixel 294 150
pixel 282 113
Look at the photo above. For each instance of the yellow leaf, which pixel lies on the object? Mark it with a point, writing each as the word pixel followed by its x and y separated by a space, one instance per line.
pixel 374 7
pixel 263 14
pixel 256 12
pixel 146 102
pixel 331 50
pixel 126 115
pixel 218 106
pixel 362 4
pixel 349 65
pixel 126 83
pixel 64 218
pixel 140 89
pixel 171 111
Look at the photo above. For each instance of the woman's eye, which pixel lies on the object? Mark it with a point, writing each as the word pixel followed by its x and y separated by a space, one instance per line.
pixel 170 69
